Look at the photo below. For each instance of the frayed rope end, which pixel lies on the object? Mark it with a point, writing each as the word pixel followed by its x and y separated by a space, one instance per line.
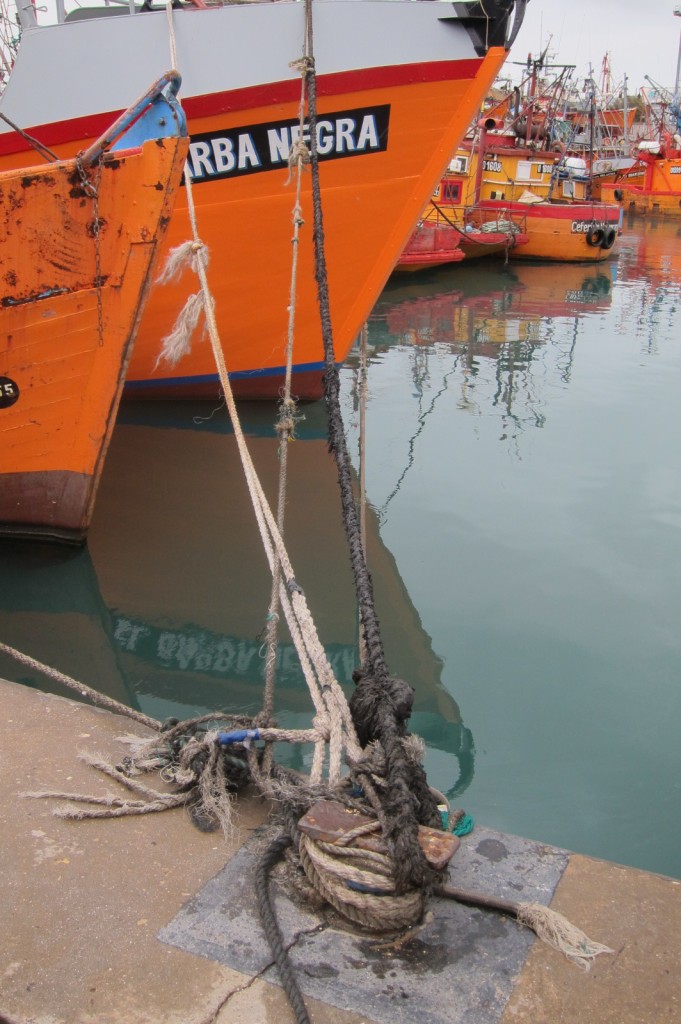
pixel 178 343
pixel 556 931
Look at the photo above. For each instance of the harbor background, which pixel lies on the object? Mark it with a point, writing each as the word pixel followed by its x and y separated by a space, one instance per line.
pixel 523 475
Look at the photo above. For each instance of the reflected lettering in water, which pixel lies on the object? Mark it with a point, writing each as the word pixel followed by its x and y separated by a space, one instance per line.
pixel 164 610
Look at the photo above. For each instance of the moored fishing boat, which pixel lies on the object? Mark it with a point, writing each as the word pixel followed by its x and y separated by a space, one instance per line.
pixel 652 185
pixel 444 237
pixel 544 191
pixel 79 241
pixel 516 166
pixel 396 86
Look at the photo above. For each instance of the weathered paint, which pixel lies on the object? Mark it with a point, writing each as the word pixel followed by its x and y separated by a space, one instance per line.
pixel 64 341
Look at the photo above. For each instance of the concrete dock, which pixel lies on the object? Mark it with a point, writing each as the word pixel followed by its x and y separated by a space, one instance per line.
pixel 140 920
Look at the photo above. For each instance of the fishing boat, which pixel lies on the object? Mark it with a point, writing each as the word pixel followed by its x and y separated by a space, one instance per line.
pixel 652 185
pixel 547 190
pixel 516 167
pixel 443 237
pixel 79 242
pixel 396 86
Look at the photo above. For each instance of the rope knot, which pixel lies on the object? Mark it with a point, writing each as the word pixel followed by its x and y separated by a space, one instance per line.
pixel 304 64
pixel 297 217
pixel 322 725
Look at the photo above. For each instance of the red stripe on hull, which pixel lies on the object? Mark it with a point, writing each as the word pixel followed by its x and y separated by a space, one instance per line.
pixel 273 93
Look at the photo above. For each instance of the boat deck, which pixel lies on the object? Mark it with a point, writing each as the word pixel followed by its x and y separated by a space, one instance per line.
pixel 146 919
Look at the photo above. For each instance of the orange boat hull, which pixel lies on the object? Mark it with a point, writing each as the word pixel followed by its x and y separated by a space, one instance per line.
pixel 567 228
pixel 64 341
pixel 369 207
pixel 395 88
pixel 570 233
pixel 637 199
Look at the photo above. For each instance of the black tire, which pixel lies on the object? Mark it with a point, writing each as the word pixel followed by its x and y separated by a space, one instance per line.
pixel 609 238
pixel 595 237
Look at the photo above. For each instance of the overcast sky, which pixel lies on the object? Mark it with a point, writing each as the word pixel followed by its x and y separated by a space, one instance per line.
pixel 641 36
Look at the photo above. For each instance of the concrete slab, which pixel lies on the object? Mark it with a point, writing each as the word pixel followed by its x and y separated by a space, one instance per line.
pixel 636 913
pixel 459 966
pixel 83 905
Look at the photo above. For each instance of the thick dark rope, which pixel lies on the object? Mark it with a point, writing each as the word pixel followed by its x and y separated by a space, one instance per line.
pixel 409 799
pixel 337 443
pixel 271 925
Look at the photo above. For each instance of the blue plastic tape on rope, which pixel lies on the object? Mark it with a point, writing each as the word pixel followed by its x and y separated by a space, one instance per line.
pixel 238 736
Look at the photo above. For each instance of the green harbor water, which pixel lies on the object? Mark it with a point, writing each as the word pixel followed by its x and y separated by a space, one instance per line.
pixel 523 474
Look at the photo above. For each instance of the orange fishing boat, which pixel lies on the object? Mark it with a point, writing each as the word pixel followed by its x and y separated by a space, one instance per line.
pixel 513 167
pixel 79 240
pixel 396 87
pixel 543 191
pixel 652 185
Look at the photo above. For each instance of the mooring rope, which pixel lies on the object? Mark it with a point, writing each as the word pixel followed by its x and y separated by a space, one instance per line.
pixel 333 716
pixel 298 158
pixel 408 801
pixel 272 929
pixel 94 696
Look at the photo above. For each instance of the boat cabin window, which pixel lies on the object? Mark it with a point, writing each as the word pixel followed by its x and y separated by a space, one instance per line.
pixel 451 193
pixel 531 170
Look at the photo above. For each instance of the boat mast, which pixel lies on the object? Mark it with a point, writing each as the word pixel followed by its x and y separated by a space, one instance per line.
pixel 676 112
pixel 27 14
pixel 625 111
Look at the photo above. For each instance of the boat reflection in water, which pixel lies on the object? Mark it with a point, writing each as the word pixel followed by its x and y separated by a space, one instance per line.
pixel 492 303
pixel 495 319
pixel 166 608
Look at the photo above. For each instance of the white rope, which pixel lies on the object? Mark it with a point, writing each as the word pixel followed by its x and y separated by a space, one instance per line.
pixel 332 711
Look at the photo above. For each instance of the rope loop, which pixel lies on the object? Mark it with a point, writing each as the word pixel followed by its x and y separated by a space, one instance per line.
pixel 303 64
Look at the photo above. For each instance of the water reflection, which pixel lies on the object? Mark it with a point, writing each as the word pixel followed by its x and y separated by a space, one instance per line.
pixel 538 592
pixel 546 579
pixel 649 268
pixel 165 608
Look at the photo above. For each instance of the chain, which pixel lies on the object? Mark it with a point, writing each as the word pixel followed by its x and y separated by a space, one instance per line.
pixel 91 188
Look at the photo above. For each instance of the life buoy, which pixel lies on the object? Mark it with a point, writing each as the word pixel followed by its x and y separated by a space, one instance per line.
pixel 609 237
pixel 595 237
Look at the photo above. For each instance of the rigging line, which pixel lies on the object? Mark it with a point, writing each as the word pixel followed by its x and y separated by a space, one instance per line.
pixel 286 422
pixel 44 151
pixel 364 338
